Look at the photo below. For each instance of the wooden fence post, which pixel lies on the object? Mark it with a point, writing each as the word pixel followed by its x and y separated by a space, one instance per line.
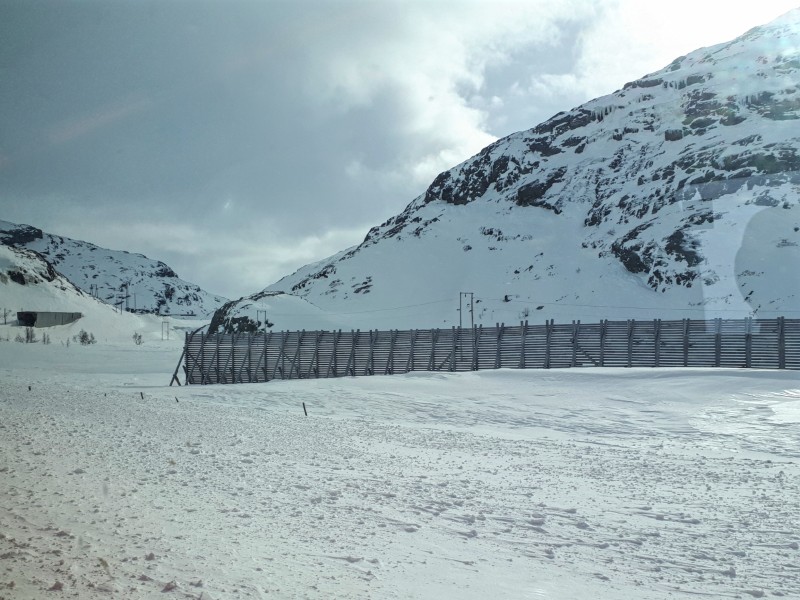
pixel 389 370
pixel 781 343
pixel 476 338
pixel 296 358
pixel 575 327
pixel 524 325
pixel 717 342
pixel 202 358
pixel 548 340
pixel 267 340
pixel 432 360
pixel 373 339
pixel 657 341
pixel 453 349
pixel 748 342
pixel 279 360
pixel 186 356
pixel 686 323
pixel 335 357
pixel 249 360
pixel 498 348
pixel 351 367
pixel 631 328
pixel 313 366
pixel 332 361
pixel 216 356
pixel 603 327
pixel 410 360
pixel 230 359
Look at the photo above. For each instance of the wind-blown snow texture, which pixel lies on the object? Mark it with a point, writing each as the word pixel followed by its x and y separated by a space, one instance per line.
pixel 117 276
pixel 676 196
pixel 565 485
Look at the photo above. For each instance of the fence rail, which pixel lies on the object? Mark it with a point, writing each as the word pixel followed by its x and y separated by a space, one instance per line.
pixel 243 358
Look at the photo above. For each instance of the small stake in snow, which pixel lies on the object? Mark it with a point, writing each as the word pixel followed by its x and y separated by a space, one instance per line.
pixel 176 398
pixel 142 395
pixel 304 409
pixel 29 388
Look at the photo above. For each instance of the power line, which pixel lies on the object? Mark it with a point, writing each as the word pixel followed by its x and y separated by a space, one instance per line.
pixel 531 302
pixel 360 312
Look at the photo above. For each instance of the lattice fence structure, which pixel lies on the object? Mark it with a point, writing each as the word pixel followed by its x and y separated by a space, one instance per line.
pixel 243 358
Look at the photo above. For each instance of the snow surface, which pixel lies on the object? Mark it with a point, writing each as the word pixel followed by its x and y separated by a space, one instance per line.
pixel 568 484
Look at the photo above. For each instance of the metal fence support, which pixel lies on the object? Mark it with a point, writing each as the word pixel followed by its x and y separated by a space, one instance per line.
pixel 432 360
pixel 781 343
pixel 631 327
pixel 476 338
pixel 657 341
pixel 748 342
pixel 410 361
pixel 603 332
pixel 548 342
pixel 453 350
pixel 575 326
pixel 686 324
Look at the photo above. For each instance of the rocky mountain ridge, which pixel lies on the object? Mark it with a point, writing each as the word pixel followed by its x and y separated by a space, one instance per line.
pixel 130 281
pixel 678 192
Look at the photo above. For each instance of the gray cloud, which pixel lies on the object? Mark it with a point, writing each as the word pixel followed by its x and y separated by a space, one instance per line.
pixel 239 140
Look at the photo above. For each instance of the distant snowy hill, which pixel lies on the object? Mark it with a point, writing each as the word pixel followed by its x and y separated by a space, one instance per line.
pixel 28 282
pixel 132 281
pixel 676 196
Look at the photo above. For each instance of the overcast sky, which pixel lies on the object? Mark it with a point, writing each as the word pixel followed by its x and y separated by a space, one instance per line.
pixel 240 140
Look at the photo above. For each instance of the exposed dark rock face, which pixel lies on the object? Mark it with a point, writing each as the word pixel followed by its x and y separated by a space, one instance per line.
pixel 532 194
pixel 19 236
pixel 224 321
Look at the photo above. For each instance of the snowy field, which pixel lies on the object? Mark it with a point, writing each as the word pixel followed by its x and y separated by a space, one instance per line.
pixel 562 484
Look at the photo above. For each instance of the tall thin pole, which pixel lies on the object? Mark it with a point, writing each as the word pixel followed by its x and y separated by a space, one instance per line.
pixel 461 296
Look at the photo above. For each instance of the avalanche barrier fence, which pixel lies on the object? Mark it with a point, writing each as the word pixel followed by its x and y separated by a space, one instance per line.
pixel 259 357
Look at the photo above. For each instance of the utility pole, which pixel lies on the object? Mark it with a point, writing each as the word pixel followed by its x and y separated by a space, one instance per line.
pixel 258 317
pixel 127 285
pixel 462 297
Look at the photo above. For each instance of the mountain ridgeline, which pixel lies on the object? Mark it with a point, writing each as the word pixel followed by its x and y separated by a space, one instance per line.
pixel 678 195
pixel 129 281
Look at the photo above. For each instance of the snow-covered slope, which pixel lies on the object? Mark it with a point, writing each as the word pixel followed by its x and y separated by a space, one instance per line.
pixel 676 196
pixel 132 281
pixel 614 484
pixel 28 282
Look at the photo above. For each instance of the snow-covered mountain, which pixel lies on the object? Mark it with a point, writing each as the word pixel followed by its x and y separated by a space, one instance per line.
pixel 676 196
pixel 131 281
pixel 30 283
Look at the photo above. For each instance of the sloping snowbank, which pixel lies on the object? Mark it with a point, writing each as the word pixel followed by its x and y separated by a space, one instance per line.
pixel 625 484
